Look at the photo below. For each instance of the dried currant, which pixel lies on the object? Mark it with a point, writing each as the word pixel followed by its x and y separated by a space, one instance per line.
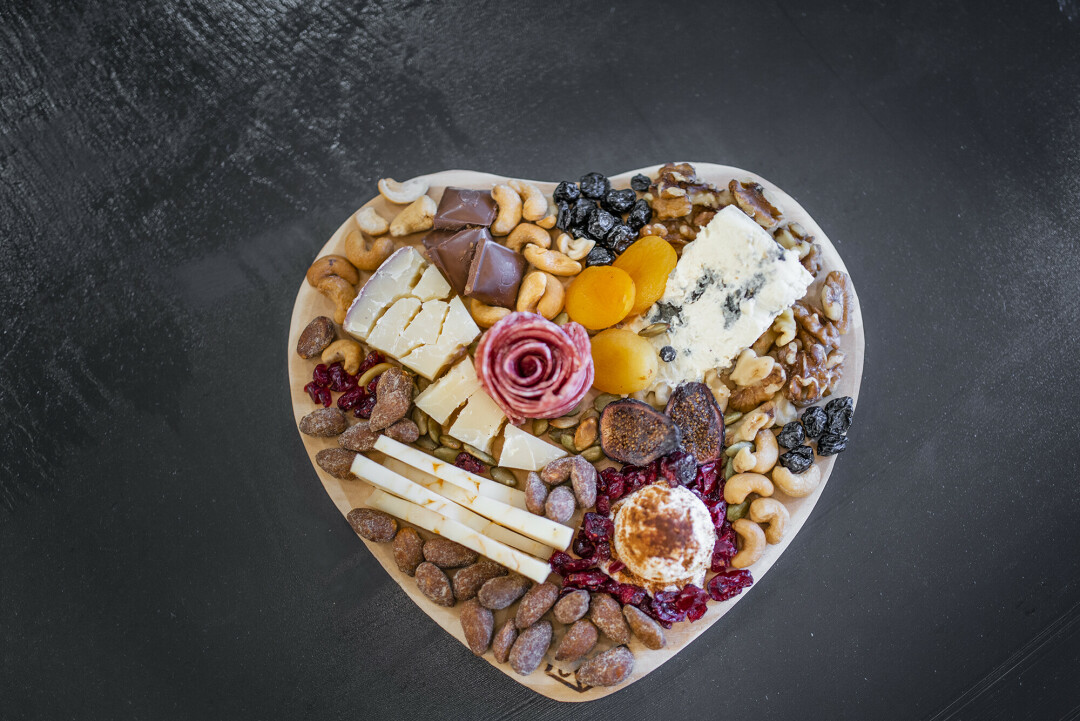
pixel 562 221
pixel 619 201
pixel 566 192
pixel 594 185
pixel 814 420
pixel 600 223
pixel 579 212
pixel 831 443
pixel 620 237
pixel 792 436
pixel 640 215
pixel 838 413
pixel 599 255
pixel 667 354
pixel 798 460
pixel 640 182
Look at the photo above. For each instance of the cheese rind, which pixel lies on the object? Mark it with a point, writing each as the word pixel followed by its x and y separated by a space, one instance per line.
pixel 394 279
pixel 727 288
pixel 526 451
pixel 479 422
pixel 440 399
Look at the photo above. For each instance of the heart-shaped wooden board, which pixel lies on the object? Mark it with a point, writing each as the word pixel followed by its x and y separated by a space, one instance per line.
pixel 552 679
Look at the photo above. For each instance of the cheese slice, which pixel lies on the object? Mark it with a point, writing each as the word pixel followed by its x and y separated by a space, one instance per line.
pixel 479 422
pixel 435 522
pixel 423 329
pixel 394 279
pixel 440 399
pixel 526 451
pixel 458 496
pixel 432 285
pixel 458 331
pixel 391 327
pixel 535 527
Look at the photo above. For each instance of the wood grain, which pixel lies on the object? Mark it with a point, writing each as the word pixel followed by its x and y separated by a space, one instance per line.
pixel 556 680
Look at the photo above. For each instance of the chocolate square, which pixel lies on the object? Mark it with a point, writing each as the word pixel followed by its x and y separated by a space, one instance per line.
pixel 461 207
pixel 495 275
pixel 454 255
pixel 435 237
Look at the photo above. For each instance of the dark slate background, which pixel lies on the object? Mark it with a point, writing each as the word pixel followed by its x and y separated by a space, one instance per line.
pixel 167 172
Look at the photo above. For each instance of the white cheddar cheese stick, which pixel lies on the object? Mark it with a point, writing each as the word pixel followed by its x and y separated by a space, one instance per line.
pixel 488 528
pixel 537 528
pixel 428 519
pixel 449 472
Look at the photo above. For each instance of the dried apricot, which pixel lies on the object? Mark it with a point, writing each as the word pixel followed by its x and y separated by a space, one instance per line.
pixel 600 297
pixel 648 262
pixel 624 361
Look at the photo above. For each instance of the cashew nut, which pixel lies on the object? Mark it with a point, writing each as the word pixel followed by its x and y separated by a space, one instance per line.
pixel 525 233
pixel 766 451
pixel 548 222
pixel 751 543
pixel 332 265
pixel 574 248
pixel 486 315
pixel 541 293
pixel 784 325
pixel 744 460
pixel 745 398
pixel 346 351
pixel 417 216
pixel 752 422
pixel 773 513
pixel 509 203
pixel 721 393
pixel 739 486
pixel 797 485
pixel 364 256
pixel 534 204
pixel 369 221
pixel 402 193
pixel 551 261
pixel 749 368
pixel 340 291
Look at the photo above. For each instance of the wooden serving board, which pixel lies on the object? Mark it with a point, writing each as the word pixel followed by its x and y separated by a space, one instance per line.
pixel 550 679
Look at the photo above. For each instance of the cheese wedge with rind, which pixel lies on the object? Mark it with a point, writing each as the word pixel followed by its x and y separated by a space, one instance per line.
pixel 394 279
pixel 388 331
pixel 458 331
pixel 435 522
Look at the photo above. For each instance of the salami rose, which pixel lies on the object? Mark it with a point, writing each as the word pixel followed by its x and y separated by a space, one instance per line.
pixel 533 368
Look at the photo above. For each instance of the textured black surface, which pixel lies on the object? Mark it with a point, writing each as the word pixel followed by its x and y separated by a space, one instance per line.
pixel 168 172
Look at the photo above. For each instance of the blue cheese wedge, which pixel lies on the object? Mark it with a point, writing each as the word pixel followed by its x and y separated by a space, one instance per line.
pixel 727 288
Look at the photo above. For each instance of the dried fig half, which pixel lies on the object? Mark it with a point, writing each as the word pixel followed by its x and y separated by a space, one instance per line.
pixel 636 433
pixel 693 408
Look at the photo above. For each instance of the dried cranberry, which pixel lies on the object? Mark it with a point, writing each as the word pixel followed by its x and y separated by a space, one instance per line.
pixel 468 463
pixel 591 580
pixel 616 566
pixel 364 408
pixel 324 397
pixel 663 606
pixel 603 549
pixel 679 468
pixel 339 379
pixel 627 594
pixel 693 601
pixel 312 390
pixel 351 398
pixel 321 375
pixel 373 385
pixel 373 359
pixel 563 563
pixel 707 478
pixel 646 606
pixel 729 584
pixel 723 550
pixel 597 528
pixel 603 504
pixel 583 547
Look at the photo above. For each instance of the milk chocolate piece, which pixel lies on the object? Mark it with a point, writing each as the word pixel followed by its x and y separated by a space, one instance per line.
pixel 435 237
pixel 454 255
pixel 461 207
pixel 495 275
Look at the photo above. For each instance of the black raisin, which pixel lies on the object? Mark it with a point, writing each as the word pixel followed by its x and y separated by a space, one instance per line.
pixel 563 221
pixel 838 413
pixel 798 460
pixel 667 354
pixel 566 192
pixel 580 210
pixel 640 182
pixel 639 216
pixel 600 223
pixel 599 255
pixel 813 421
pixel 792 436
pixel 831 443
pixel 594 185
pixel 619 238
pixel 619 201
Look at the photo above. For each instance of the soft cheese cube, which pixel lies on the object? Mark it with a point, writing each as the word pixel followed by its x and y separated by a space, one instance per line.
pixel 526 451
pixel 479 422
pixel 727 288
pixel 394 279
pixel 440 399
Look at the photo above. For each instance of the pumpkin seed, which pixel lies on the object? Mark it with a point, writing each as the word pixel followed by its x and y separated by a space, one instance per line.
pixel 586 434
pixel 729 469
pixel 734 448
pixel 564 423
pixel 539 426
pixel 450 442
pixel 426 443
pixel 603 400
pixel 446 454
pixel 422 383
pixel 562 318
pixel 420 419
pixel 734 513
pixel 504 476
pixel 591 413
pixel 567 441
pixel 653 330
pixel 555 434
pixel 477 453
pixel 593 454
pixel 434 430
pixel 732 417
